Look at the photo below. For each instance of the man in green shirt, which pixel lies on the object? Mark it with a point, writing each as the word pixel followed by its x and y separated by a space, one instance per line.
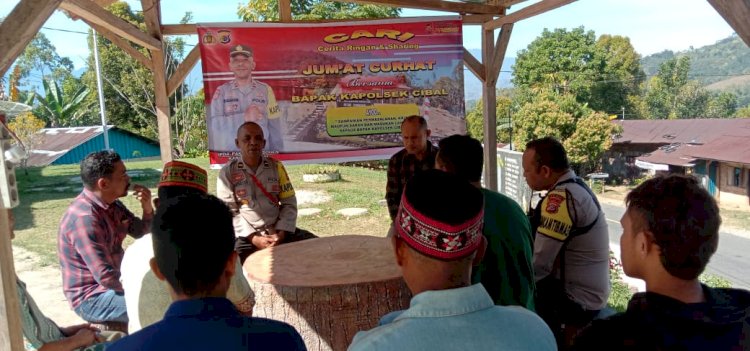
pixel 506 270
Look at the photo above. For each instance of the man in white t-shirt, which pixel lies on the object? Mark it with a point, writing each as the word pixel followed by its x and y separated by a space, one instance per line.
pixel 146 297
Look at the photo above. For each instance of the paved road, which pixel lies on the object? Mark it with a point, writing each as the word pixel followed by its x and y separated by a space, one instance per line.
pixel 731 261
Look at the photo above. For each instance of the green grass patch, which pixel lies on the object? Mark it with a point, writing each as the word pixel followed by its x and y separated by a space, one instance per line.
pixel 46 193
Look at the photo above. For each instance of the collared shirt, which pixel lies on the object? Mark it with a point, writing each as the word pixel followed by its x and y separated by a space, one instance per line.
pixel 457 319
pixel 211 324
pixel 586 255
pixel 147 297
pixel 229 104
pixel 89 245
pixel 254 210
pixel 659 322
pixel 401 167
pixel 506 271
pixel 37 329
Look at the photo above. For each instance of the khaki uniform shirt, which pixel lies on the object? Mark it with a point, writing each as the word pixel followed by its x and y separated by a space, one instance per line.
pixel 228 106
pixel 586 256
pixel 254 211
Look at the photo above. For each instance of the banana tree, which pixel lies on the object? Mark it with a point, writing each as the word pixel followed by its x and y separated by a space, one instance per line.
pixel 59 109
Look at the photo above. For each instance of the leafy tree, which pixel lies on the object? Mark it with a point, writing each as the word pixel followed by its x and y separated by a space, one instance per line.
pixel 671 94
pixel 268 10
pixel 59 109
pixel 566 62
pixel 743 112
pixel 40 55
pixel 723 105
pixel 604 74
pixel 585 133
pixel 622 75
pixel 26 126
pixel 475 120
pixel 188 123
pixel 592 137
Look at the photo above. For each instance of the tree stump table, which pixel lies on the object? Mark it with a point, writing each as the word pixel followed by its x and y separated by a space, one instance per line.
pixel 327 288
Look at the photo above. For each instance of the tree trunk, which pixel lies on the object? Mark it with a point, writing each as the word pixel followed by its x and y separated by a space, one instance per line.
pixel 328 289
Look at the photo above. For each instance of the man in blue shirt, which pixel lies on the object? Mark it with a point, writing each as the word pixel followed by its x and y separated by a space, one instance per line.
pixel 196 257
pixel 437 238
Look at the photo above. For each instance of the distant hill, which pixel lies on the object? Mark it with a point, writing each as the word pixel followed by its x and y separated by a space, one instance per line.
pixel 472 85
pixel 723 66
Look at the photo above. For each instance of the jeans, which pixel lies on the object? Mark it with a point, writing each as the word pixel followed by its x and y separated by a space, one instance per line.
pixel 106 307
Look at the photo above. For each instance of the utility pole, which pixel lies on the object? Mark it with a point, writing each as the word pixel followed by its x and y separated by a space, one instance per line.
pixel 623 113
pixel 101 91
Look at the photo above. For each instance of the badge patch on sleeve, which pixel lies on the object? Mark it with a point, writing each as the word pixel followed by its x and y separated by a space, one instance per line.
pixel 556 221
pixel 285 184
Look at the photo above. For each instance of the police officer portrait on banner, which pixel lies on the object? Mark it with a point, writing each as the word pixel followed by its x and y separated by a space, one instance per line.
pixel 243 99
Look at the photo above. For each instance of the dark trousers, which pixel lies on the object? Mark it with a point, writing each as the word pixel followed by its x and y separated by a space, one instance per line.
pixel 245 247
pixel 565 317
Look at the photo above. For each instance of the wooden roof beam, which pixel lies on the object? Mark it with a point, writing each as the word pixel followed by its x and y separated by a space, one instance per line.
pixel 122 44
pixel 509 3
pixel 526 12
pixel 96 14
pixel 501 46
pixel 179 29
pixel 474 65
pixel 737 14
pixel 183 70
pixel 20 27
pixel 437 5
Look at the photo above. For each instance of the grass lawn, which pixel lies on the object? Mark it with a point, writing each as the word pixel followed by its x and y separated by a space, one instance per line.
pixel 46 193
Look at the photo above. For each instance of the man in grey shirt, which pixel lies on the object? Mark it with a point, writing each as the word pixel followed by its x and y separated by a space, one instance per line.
pixel 571 245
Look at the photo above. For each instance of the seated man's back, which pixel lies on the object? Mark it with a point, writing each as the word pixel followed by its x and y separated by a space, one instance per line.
pixel 212 324
pixel 670 230
pixel 657 322
pixel 423 326
pixel 197 259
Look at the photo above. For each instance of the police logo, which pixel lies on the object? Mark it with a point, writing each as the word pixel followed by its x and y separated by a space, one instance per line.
pixel 553 203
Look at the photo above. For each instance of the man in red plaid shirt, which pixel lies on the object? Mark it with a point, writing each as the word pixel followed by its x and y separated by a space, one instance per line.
pixel 90 238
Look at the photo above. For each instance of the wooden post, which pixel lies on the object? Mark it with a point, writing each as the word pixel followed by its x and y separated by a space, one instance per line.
pixel 11 335
pixel 152 17
pixel 10 309
pixel 490 110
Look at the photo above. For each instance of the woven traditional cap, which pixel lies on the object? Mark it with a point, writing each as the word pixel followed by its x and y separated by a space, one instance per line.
pixel 434 238
pixel 178 173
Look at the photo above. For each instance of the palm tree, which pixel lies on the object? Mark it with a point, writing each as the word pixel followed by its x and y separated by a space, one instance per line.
pixel 59 109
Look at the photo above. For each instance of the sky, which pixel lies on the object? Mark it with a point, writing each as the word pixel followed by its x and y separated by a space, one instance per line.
pixel 651 25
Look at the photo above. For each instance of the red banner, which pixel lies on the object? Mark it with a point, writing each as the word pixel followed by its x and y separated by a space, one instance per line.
pixel 331 92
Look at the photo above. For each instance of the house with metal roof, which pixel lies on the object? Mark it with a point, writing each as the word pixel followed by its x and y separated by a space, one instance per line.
pixel 715 150
pixel 70 145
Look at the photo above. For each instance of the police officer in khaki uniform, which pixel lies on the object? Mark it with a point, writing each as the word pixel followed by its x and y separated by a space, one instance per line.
pixel 571 243
pixel 241 100
pixel 260 194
